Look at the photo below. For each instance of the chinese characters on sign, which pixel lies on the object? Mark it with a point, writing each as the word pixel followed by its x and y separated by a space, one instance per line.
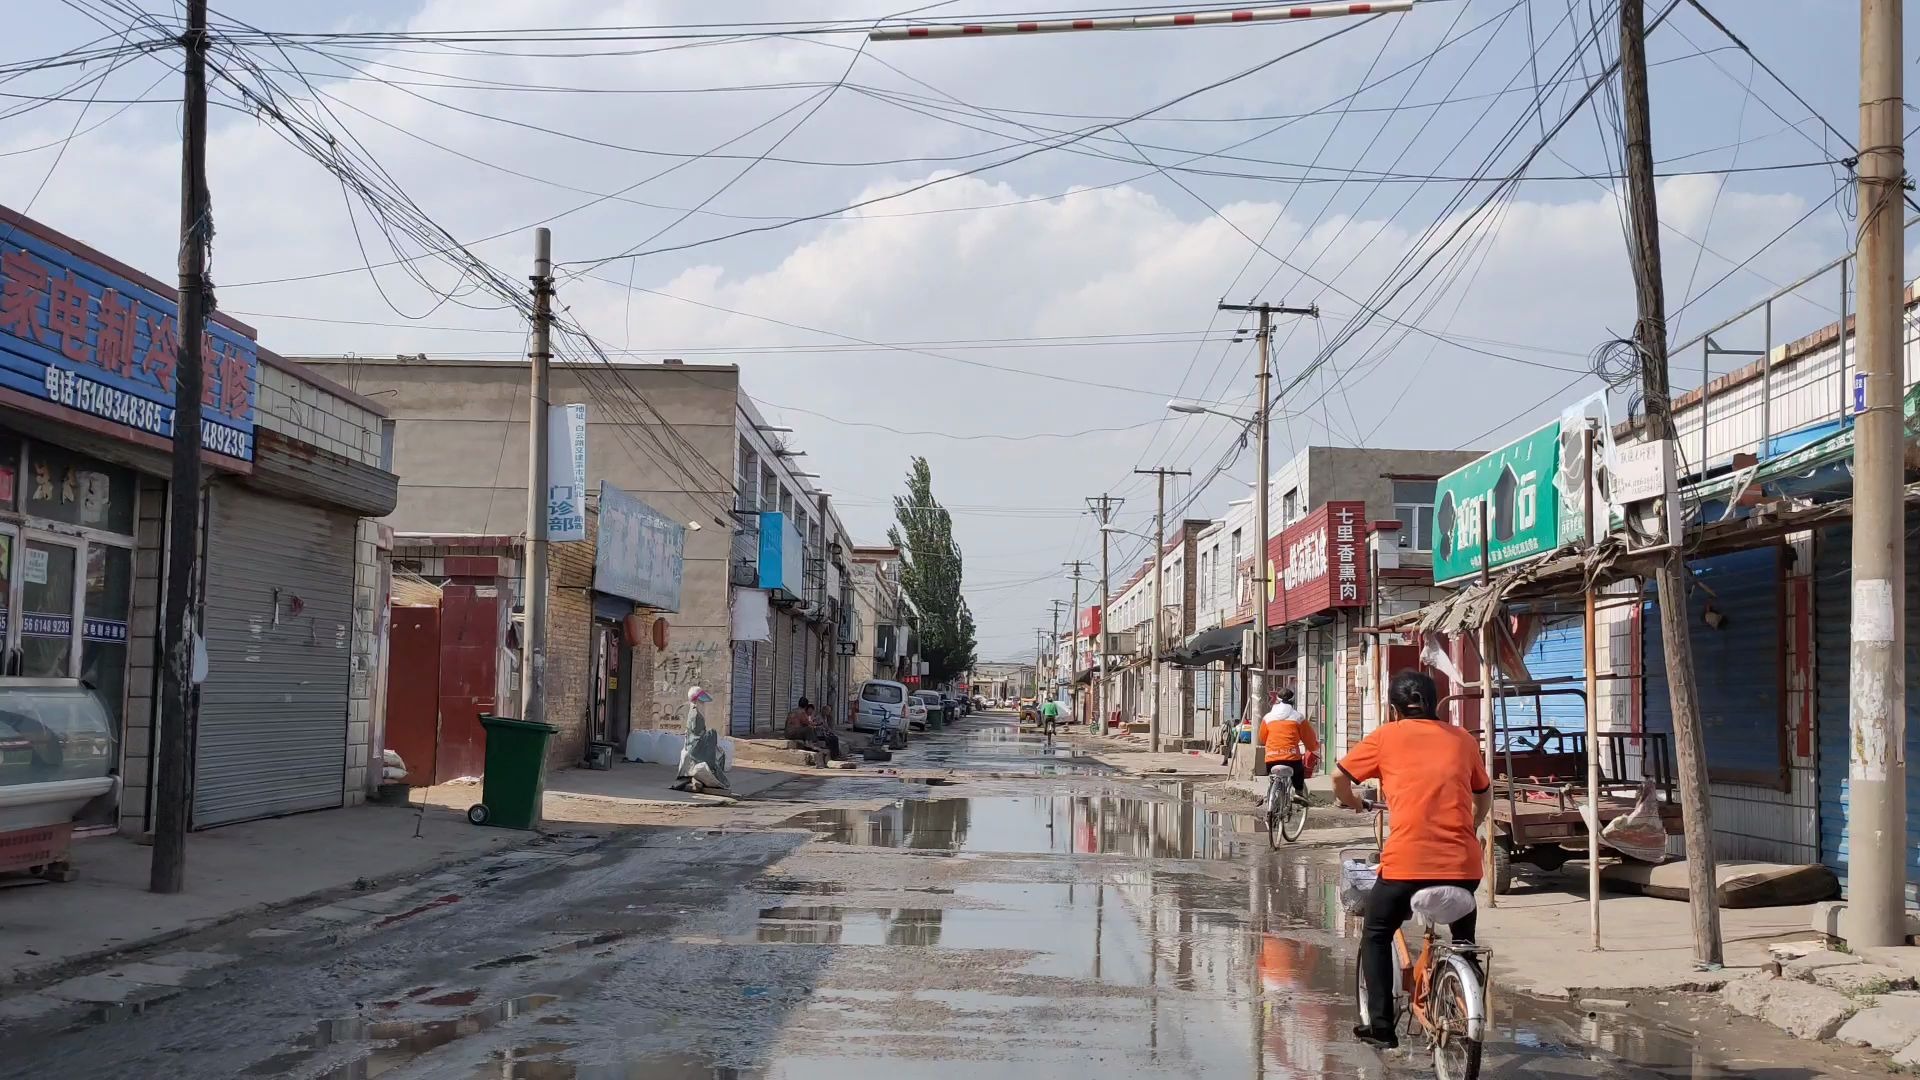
pixel 80 336
pixel 1318 563
pixel 641 552
pixel 566 472
pixel 1519 484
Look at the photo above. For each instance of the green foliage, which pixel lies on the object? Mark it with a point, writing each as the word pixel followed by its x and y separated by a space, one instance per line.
pixel 931 575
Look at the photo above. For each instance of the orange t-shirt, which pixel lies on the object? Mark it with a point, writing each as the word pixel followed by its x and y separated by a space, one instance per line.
pixel 1429 772
pixel 1285 738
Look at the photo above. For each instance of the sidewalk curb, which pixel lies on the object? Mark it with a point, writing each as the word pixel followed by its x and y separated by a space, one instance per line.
pixel 30 977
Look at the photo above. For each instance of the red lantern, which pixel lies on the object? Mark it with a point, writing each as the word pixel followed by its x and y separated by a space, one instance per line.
pixel 659 634
pixel 634 628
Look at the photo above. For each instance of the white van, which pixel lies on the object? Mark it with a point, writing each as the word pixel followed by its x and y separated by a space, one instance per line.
pixel 885 708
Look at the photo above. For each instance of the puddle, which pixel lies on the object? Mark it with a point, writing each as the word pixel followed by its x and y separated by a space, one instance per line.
pixel 394 1043
pixel 1038 825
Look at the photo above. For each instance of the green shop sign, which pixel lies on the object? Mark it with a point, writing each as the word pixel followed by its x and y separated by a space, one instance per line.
pixel 1521 486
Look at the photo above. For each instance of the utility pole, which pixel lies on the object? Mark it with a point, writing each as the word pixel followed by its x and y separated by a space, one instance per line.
pixel 1877 691
pixel 1104 506
pixel 1263 567
pixel 1054 644
pixel 1671 575
pixel 533 670
pixel 1073 684
pixel 168 872
pixel 1159 557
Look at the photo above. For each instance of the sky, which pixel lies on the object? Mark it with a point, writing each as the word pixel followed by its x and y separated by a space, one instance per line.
pixel 1002 254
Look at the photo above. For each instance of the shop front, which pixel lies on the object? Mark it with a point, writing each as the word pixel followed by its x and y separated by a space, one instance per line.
pixel 1319 578
pixel 88 350
pixel 638 561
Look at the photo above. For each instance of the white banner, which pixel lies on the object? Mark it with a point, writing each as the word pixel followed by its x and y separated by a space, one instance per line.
pixel 566 472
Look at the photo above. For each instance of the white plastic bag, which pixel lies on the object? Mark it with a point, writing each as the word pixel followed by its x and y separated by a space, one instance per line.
pixel 726 751
pixel 1359 871
pixel 642 746
pixel 1641 834
pixel 1443 905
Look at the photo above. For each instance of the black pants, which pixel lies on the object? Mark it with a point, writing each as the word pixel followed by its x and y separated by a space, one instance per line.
pixel 1389 906
pixel 1299 773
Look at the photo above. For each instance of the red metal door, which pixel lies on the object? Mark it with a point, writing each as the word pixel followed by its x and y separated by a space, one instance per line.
pixel 472 636
pixel 413 689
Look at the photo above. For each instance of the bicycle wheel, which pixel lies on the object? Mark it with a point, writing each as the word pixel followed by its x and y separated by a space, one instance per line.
pixel 1274 818
pixel 1456 1053
pixel 1293 819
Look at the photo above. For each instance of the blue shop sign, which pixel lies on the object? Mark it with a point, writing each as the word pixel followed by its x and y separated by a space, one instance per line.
pixel 40 624
pixel 639 552
pixel 779 553
pixel 83 337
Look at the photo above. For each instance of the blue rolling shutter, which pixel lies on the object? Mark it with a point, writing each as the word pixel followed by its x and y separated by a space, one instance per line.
pixel 1558 653
pixel 1832 632
pixel 1740 666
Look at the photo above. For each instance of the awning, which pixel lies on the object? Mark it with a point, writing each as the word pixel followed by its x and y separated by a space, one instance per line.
pixel 1210 646
pixel 1085 677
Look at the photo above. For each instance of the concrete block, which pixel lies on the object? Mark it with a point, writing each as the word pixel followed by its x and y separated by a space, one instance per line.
pixel 105 989
pixel 1804 967
pixel 1859 979
pixel 1829 917
pixel 1800 1009
pixel 31 1007
pixel 1902 958
pixel 1892 1024
pixel 161 975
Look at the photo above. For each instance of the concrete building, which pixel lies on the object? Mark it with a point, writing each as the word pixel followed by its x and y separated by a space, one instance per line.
pixel 291 575
pixel 888 620
pixel 1388 495
pixel 688 442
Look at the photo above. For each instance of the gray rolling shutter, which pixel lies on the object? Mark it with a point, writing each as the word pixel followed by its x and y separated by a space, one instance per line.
pixel 763 657
pixel 740 703
pixel 272 737
pixel 796 665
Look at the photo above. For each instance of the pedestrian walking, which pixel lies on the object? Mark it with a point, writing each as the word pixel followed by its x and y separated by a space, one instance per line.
pixel 701 765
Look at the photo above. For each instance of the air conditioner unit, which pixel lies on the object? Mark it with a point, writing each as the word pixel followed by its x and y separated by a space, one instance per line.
pixel 742 572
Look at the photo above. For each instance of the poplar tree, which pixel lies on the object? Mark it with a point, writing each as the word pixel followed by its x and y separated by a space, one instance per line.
pixel 931 575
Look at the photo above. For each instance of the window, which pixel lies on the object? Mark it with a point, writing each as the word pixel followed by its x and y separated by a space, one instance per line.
pixel 786 502
pixel 769 490
pixel 749 472
pixel 1234 568
pixel 800 528
pixel 1203 583
pixel 1413 508
pixel 1290 506
pixel 884 693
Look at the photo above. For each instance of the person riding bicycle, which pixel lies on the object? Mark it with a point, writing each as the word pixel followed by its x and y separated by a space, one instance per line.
pixel 1287 739
pixel 1437 793
pixel 1049 715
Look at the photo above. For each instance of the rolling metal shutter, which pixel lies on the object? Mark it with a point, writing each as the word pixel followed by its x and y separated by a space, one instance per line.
pixel 1740 666
pixel 1833 615
pixel 763 657
pixel 1559 652
pixel 796 666
pixel 740 700
pixel 272 737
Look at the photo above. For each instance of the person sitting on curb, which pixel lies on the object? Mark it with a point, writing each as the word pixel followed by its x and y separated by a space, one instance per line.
pixel 805 728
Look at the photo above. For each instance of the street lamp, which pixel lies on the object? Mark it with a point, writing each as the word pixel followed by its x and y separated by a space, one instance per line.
pixel 1194 408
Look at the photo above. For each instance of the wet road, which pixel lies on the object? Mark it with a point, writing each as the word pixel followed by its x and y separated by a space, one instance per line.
pixel 1022 914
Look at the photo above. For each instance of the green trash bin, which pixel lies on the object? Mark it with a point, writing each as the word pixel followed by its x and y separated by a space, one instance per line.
pixel 516 772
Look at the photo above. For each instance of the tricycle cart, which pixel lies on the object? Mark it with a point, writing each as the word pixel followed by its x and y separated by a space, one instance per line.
pixel 1540 779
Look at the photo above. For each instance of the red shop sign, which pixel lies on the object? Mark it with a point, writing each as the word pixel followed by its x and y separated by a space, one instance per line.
pixel 1319 563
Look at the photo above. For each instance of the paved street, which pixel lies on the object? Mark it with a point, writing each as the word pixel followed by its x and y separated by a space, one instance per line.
pixel 997 909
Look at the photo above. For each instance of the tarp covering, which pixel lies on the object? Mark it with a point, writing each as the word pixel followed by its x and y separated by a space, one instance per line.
pixel 1210 646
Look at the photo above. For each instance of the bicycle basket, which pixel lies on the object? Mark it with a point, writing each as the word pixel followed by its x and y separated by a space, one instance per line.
pixel 1359 871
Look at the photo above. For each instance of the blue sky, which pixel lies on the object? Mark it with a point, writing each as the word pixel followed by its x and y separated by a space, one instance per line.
pixel 1023 309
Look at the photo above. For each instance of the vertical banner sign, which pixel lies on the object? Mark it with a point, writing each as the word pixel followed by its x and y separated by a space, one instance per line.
pixel 1319 563
pixel 566 472
pixel 1520 484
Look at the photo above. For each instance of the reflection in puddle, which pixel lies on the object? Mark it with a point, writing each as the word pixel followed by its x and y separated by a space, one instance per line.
pixel 1038 825
pixel 393 1043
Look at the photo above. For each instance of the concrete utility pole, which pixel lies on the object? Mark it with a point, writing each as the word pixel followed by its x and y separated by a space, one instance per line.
pixel 1054 644
pixel 1073 655
pixel 1262 566
pixel 1877 690
pixel 1671 577
pixel 1104 506
pixel 533 668
pixel 1159 604
pixel 178 704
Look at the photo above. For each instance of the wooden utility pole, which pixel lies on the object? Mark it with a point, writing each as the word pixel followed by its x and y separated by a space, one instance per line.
pixel 1104 506
pixel 1877 690
pixel 1650 335
pixel 173 796
pixel 1262 566
pixel 1073 683
pixel 1159 604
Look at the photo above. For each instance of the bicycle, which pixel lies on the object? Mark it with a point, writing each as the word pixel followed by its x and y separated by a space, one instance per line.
pixel 1441 990
pixel 1286 811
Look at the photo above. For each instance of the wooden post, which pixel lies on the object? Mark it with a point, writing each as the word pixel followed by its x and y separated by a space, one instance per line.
pixel 1671 575
pixel 1492 881
pixel 1597 524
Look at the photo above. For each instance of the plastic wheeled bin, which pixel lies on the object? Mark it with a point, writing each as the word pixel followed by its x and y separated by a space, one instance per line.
pixel 515 773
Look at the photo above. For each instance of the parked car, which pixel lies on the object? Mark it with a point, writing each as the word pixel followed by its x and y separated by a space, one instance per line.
pixel 884 709
pixel 937 714
pixel 955 705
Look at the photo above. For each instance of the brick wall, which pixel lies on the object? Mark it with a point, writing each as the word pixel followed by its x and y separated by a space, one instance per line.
pixel 369 609
pixel 569 676
pixel 288 404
